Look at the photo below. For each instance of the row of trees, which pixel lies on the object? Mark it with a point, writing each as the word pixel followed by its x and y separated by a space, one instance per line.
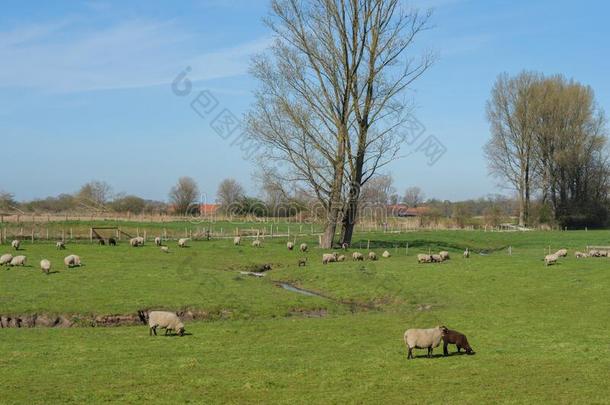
pixel 331 102
pixel 549 144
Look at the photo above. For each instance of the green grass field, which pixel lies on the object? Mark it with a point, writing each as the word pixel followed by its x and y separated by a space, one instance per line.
pixel 541 334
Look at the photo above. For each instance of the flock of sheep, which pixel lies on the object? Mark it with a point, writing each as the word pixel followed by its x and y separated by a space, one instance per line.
pixel 8 259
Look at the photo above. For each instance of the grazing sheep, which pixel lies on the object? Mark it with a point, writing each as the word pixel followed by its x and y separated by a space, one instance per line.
pixel 101 242
pixel 303 262
pixel 466 253
pixel 423 339
pixel 344 245
pixel 136 242
pixel 158 241
pixel 164 249
pixel 456 338
pixel 580 255
pixel 111 242
pixel 45 266
pixel 18 261
pixel 5 259
pixel 182 242
pixel 603 253
pixel 423 258
pixel 437 258
pixel 329 257
pixel 444 255
pixel 593 253
pixel 165 320
pixel 72 261
pixel 256 243
pixel 372 256
pixel 60 245
pixel 15 244
pixel 550 259
pixel 341 258
pixel 303 247
pixel 357 256
pixel 290 245
pixel 386 254
pixel 237 240
pixel 561 253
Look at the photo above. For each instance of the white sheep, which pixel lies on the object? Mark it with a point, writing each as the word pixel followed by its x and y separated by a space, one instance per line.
pixel 182 242
pixel 158 241
pixel 580 255
pixel 18 261
pixel 329 257
pixel 550 259
pixel 444 255
pixel 357 256
pixel 135 242
pixel 164 249
pixel 466 253
pixel 60 245
pixel 237 240
pixel 372 256
pixel 72 261
pixel 437 258
pixel 303 247
pixel 423 339
pixel 290 245
pixel 423 258
pixel 561 253
pixel 341 258
pixel 45 266
pixel 6 259
pixel 386 254
pixel 594 253
pixel 15 244
pixel 165 320
pixel 256 243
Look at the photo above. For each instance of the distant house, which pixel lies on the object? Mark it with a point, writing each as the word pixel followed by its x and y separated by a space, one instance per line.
pixel 208 209
pixel 402 210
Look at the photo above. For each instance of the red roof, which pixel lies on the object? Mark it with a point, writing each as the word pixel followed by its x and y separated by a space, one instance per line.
pixel 208 208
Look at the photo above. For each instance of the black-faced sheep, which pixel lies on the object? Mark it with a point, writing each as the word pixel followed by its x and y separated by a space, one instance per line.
pixel 466 253
pixel 45 266
pixel 256 243
pixel 290 245
pixel 15 244
pixel 165 320
pixel 444 255
pixel 329 257
pixel 357 256
pixel 19 261
pixel 72 261
pixel 303 262
pixel 303 247
pixel 372 256
pixel 158 241
pixel 561 253
pixel 550 259
pixel 60 245
pixel 423 339
pixel 182 242
pixel 423 258
pixel 237 240
pixel 5 259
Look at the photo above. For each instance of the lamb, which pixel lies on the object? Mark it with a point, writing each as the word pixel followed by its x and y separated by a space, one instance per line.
pixel 237 240
pixel 329 257
pixel 15 244
pixel 550 259
pixel 182 242
pixel 341 258
pixel 18 261
pixel 357 256
pixel 111 242
pixel 303 262
pixel 60 245
pixel 386 254
pixel 444 255
pixel 45 266
pixel 580 255
pixel 456 338
pixel 6 259
pixel 158 241
pixel 423 258
pixel 303 247
pixel 423 339
pixel 561 253
pixel 256 243
pixel 290 245
pixel 72 261
pixel 164 249
pixel 466 253
pixel 372 256
pixel 165 320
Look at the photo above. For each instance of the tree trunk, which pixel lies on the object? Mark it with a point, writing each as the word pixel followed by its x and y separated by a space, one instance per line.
pixel 349 218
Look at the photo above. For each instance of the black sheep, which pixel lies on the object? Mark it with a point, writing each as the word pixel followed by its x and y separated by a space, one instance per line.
pixel 111 241
pixel 456 338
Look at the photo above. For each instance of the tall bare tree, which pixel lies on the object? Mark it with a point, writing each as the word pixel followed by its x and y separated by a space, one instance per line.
pixel 94 195
pixel 184 194
pixel 414 196
pixel 510 152
pixel 229 193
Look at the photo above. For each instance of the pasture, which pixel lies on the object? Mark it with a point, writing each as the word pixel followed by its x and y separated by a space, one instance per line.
pixel 539 333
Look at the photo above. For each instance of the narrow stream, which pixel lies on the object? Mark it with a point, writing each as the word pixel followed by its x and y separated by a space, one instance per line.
pixel 292 288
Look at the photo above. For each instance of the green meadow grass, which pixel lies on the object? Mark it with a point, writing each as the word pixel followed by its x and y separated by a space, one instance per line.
pixel 541 334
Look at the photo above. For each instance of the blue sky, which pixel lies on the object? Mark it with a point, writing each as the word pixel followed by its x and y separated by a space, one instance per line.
pixel 85 88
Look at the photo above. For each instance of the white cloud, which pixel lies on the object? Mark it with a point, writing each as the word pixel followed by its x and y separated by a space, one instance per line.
pixel 136 53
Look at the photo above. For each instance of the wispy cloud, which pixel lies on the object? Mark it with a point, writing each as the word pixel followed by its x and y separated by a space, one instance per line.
pixel 60 57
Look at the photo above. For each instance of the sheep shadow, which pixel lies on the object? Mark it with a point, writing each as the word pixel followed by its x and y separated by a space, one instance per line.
pixel 425 356
pixel 52 272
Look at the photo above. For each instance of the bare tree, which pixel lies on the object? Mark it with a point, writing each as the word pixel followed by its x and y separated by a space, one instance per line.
pixel 229 193
pixel 413 196
pixel 184 194
pixel 510 152
pixel 7 201
pixel 94 195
